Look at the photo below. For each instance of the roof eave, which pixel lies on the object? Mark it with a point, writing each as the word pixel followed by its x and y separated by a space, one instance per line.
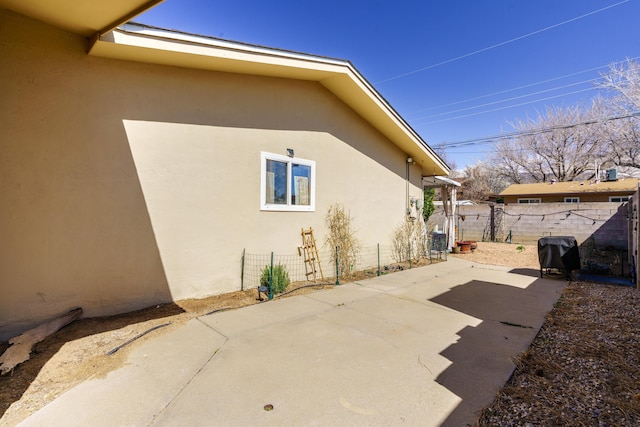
pixel 141 43
pixel 84 18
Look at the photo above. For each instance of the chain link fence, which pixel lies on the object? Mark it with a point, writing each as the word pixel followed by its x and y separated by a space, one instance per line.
pixel 260 270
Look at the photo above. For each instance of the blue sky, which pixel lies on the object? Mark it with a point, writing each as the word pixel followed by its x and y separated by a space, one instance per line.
pixel 455 70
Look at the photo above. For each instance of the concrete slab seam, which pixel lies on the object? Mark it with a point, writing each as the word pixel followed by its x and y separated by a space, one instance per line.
pixel 359 284
pixel 426 303
pixel 226 338
pixel 185 385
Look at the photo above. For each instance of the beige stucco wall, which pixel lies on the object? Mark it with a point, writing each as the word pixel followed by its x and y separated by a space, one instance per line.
pixel 127 184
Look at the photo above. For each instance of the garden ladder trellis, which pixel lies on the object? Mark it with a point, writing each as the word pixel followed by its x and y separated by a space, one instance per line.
pixel 309 251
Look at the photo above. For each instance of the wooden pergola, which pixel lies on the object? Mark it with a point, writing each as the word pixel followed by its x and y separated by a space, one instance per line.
pixel 448 190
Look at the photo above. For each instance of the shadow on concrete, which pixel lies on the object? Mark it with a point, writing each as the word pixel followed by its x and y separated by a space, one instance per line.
pixel 531 272
pixel 482 359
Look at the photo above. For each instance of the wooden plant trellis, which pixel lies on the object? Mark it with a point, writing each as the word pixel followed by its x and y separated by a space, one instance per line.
pixel 309 252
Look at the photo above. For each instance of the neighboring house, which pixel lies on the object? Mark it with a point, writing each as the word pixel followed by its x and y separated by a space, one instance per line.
pixel 571 192
pixel 137 163
pixel 439 203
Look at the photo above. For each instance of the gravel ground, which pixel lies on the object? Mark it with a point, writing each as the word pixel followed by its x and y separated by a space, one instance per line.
pixel 583 368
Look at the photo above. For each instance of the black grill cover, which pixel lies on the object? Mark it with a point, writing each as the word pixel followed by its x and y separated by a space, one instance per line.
pixel 559 252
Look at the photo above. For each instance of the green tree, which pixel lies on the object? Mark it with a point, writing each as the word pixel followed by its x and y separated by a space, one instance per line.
pixel 428 207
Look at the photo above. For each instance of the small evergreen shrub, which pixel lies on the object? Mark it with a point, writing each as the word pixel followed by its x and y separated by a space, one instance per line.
pixel 280 278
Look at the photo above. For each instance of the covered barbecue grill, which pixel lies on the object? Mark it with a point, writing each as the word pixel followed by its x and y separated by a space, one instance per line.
pixel 559 252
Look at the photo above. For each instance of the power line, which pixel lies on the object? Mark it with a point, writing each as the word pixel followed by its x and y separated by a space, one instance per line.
pixel 521 87
pixel 508 106
pixel 507 99
pixel 526 86
pixel 501 44
pixel 490 139
pixel 475 98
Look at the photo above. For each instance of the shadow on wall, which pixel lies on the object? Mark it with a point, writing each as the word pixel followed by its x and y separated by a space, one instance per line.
pixel 184 96
pixel 74 225
pixel 614 232
pixel 605 251
pixel 482 357
pixel 77 230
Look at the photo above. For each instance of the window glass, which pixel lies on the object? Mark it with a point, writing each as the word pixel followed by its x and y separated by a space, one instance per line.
pixel 618 199
pixel 300 184
pixel 287 183
pixel 276 182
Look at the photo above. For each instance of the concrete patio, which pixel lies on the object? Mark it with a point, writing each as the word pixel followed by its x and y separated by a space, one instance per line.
pixel 428 346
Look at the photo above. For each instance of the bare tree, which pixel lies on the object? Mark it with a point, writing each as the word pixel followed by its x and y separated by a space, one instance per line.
pixel 621 128
pixel 442 152
pixel 560 144
pixel 481 181
pixel 511 161
pixel 623 138
pixel 563 144
pixel 623 80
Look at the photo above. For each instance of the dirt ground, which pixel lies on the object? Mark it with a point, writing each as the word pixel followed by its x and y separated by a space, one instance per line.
pixel 79 351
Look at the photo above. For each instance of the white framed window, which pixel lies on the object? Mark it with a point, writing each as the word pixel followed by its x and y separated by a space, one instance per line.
pixel 287 183
pixel 572 199
pixel 618 199
pixel 529 200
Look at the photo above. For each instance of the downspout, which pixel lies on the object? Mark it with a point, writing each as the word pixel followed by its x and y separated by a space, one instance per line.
pixel 407 204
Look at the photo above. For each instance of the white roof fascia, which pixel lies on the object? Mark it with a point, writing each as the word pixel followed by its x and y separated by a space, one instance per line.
pixel 439 181
pixel 143 43
pixel 160 33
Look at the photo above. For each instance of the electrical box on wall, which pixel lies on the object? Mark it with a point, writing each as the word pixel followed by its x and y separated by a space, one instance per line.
pixel 414 208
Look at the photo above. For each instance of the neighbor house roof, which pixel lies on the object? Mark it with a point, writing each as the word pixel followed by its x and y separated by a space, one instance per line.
pixel 625 185
pixel 141 43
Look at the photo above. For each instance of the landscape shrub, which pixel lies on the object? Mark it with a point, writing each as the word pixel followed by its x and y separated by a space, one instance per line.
pixel 408 241
pixel 280 278
pixel 342 235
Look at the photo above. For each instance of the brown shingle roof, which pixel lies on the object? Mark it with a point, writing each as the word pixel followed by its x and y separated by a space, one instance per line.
pixel 625 185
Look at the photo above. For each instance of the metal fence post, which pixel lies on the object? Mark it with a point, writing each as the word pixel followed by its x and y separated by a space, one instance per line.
pixel 271 278
pixel 337 270
pixel 242 270
pixel 492 223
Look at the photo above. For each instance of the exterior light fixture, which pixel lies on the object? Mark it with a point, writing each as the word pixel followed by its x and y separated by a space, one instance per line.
pixel 290 152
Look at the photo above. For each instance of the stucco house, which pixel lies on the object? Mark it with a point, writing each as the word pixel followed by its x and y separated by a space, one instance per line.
pixel 571 192
pixel 137 163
